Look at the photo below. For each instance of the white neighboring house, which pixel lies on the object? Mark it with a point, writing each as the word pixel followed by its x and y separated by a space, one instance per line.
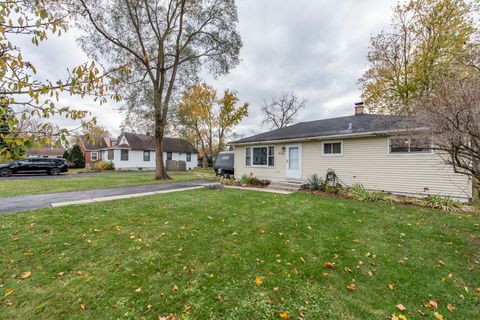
pixel 137 152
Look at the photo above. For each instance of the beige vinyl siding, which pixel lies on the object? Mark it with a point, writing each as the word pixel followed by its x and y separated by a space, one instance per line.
pixel 276 172
pixel 367 161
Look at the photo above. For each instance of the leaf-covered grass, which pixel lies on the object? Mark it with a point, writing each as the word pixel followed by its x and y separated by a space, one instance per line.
pixel 29 185
pixel 235 254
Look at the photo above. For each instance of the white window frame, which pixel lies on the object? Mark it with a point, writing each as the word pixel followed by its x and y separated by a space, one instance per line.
pixel 332 154
pixel 268 155
pixel 408 153
pixel 96 155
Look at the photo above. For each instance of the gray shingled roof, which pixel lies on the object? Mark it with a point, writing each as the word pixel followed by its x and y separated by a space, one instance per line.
pixel 98 143
pixel 146 142
pixel 355 124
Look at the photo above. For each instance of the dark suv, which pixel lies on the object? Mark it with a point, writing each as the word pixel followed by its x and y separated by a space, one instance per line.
pixel 32 165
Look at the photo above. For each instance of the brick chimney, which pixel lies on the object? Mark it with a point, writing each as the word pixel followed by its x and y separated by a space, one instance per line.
pixel 359 108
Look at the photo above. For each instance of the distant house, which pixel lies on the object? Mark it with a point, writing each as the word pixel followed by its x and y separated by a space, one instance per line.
pixel 365 149
pixel 45 152
pixel 137 152
pixel 91 149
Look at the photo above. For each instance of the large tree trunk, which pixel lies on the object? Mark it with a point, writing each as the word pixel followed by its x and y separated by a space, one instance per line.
pixel 161 170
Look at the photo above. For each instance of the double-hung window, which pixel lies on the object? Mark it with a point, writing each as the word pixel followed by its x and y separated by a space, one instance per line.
pixel 189 157
pixel 405 145
pixel 146 156
pixel 169 156
pixel 124 155
pixel 260 156
pixel 332 148
pixel 94 156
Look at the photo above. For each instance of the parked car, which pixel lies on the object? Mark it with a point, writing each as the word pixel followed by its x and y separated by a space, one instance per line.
pixel 52 166
pixel 224 164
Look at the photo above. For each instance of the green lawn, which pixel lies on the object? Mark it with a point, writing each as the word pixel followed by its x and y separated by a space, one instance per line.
pixel 10 188
pixel 197 255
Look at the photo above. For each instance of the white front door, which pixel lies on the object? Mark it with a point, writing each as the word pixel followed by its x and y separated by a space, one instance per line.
pixel 293 157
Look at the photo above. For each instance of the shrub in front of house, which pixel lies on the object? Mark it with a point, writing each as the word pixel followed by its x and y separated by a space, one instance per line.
pixel 103 166
pixel 359 192
pixel 253 181
pixel 314 183
pixel 76 156
pixel 442 203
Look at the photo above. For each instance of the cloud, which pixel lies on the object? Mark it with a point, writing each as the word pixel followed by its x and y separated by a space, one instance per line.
pixel 316 48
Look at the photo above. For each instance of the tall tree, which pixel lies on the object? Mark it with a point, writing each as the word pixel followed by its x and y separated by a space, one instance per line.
pixel 451 111
pixel 207 120
pixel 281 112
pixel 161 41
pixel 425 38
pixel 22 95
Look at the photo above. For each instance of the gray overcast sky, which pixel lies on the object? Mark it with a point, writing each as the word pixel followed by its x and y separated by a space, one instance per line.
pixel 316 48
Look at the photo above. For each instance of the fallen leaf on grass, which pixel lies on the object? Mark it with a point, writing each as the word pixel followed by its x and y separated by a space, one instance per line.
pixel 433 303
pixel 138 290
pixel 450 307
pixel 258 281
pixel 8 291
pixel 167 318
pixel 25 275
pixel 175 288
pixel 330 265
pixel 438 316
pixel 399 317
pixel 83 306
pixel 401 307
pixel 391 286
pixel 351 287
pixel 477 292
pixel 347 269
pixel 284 315
pixel 440 263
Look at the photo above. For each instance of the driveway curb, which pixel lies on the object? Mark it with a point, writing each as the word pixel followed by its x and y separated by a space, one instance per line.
pixel 125 196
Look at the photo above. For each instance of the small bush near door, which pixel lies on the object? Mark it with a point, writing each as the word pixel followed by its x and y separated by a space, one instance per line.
pixel 103 166
pixel 315 183
pixel 252 181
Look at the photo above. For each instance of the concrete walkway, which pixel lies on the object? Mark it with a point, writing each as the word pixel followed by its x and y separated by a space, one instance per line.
pixel 39 201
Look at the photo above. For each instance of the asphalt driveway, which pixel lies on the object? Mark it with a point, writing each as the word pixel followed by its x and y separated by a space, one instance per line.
pixel 39 201
pixel 30 176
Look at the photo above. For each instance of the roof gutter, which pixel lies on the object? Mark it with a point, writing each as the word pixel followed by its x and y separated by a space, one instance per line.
pixel 328 137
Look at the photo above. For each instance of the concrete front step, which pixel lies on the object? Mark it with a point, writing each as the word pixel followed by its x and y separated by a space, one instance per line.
pixel 291 186
pixel 280 188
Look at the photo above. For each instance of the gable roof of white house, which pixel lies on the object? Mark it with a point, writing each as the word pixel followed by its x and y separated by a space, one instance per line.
pixel 135 141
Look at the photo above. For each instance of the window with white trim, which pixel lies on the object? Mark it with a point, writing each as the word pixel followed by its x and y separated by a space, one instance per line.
pixel 405 145
pixel 94 156
pixel 248 157
pixel 332 148
pixel 260 156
